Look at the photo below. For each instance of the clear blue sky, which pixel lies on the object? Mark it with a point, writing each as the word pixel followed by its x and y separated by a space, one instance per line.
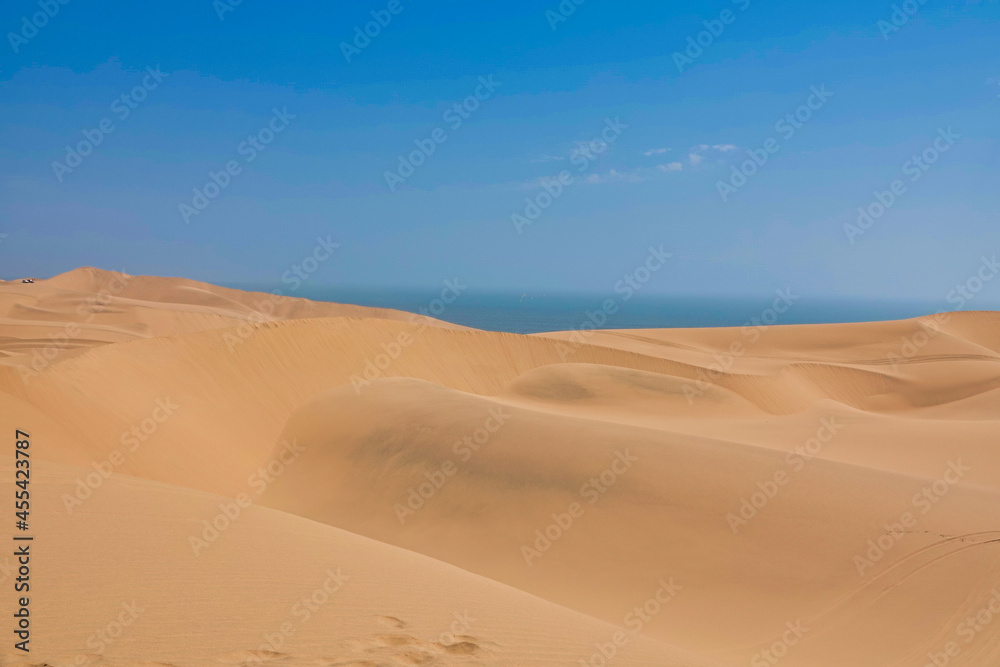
pixel 323 175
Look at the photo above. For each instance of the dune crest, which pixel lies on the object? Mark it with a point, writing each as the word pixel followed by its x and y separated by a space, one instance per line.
pixel 828 494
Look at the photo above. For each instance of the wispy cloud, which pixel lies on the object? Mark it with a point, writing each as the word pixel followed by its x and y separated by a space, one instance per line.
pixel 615 176
pixel 697 153
pixel 547 158
pixel 637 175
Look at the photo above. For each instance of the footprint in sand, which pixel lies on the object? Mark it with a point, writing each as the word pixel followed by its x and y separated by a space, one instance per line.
pixel 460 648
pixel 402 649
pixel 402 640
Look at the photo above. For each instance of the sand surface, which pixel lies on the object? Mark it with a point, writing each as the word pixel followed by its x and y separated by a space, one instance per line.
pixel 230 478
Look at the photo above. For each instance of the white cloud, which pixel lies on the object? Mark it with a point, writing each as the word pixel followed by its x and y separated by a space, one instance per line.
pixel 635 175
pixel 656 151
pixel 695 159
pixel 638 175
pixel 615 176
pixel 725 148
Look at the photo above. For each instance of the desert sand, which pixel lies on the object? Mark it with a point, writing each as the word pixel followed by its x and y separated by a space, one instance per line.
pixel 228 478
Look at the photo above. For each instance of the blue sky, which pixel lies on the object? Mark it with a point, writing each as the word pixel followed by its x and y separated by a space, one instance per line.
pixel 343 125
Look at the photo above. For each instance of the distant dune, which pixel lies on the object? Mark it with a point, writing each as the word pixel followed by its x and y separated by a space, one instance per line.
pixel 809 495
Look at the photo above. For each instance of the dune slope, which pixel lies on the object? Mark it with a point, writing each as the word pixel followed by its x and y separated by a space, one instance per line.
pixel 145 573
pixel 822 494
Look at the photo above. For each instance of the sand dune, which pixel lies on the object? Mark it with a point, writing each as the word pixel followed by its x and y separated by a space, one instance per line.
pixel 659 507
pixel 151 584
pixel 822 494
pixel 112 307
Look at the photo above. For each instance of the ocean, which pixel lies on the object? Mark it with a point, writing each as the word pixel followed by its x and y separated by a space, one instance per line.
pixel 524 314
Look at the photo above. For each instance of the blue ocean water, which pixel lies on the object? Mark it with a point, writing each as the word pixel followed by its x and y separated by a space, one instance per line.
pixel 524 314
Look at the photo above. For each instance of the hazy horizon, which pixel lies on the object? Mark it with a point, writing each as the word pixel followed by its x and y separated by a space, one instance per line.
pixel 532 311
pixel 576 145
